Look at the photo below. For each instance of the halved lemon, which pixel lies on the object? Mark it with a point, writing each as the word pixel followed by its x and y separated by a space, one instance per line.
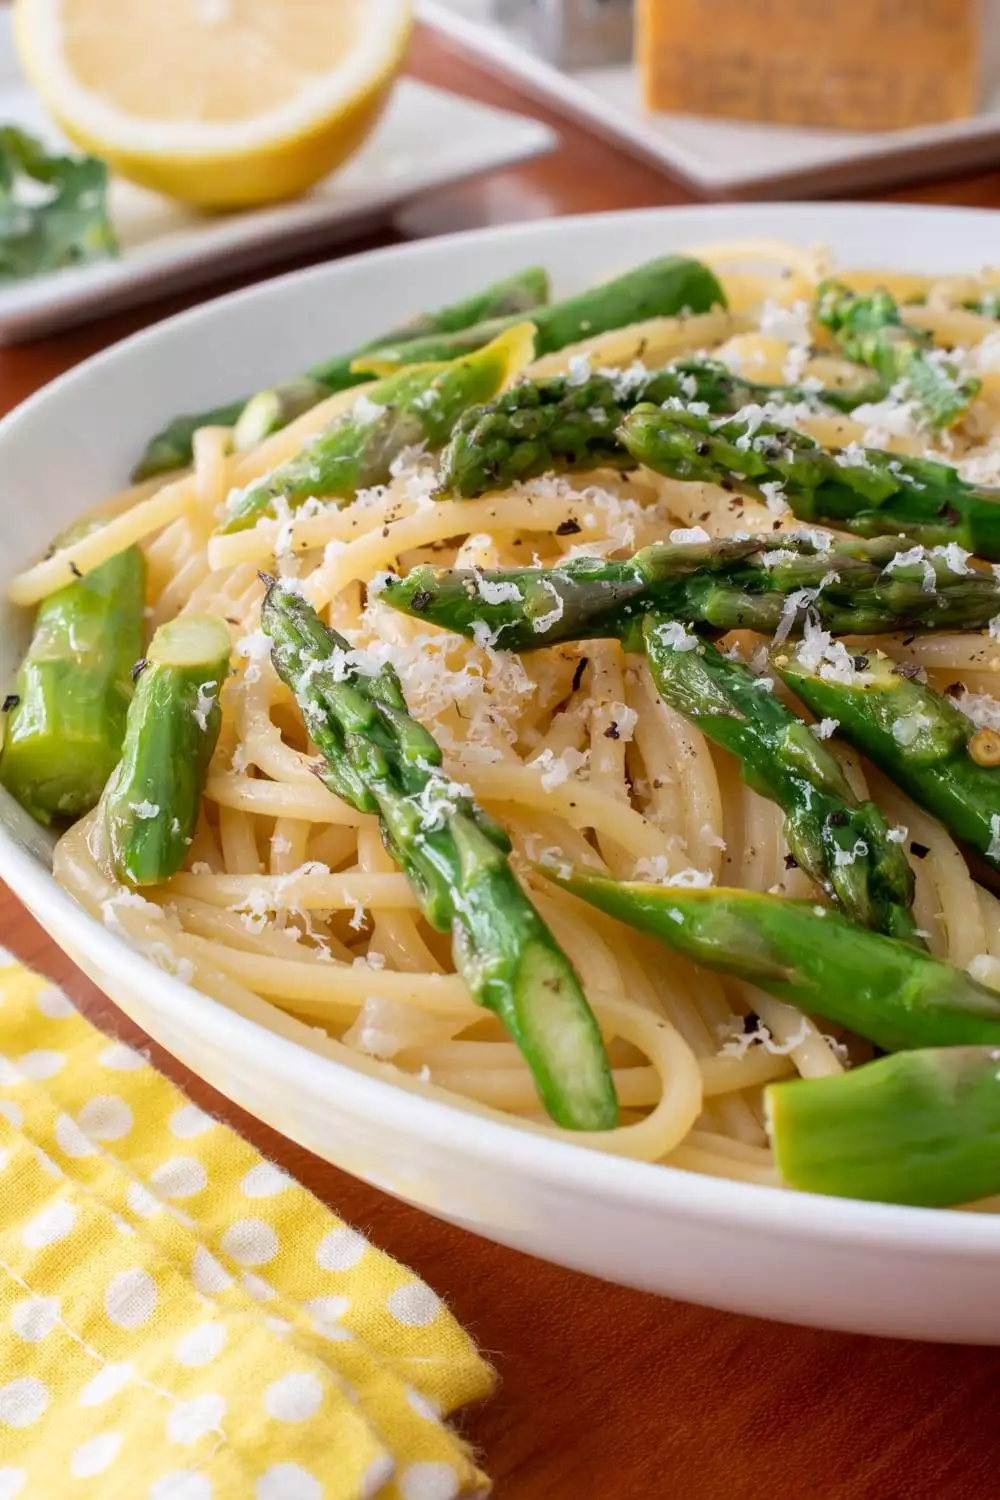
pixel 222 103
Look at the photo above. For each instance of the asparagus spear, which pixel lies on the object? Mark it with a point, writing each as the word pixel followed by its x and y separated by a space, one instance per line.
pixel 660 289
pixel 865 490
pixel 419 404
pixel 764 583
pixel 379 759
pixel 919 1127
pixel 150 806
pixel 841 842
pixel 564 424
pixel 273 409
pixel 923 742
pixel 66 716
pixel 896 995
pixel 869 329
pixel 172 448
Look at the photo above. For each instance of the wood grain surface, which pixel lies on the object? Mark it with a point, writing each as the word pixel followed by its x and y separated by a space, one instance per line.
pixel 609 1394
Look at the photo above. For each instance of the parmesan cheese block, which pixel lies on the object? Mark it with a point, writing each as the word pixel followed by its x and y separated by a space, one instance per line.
pixel 856 64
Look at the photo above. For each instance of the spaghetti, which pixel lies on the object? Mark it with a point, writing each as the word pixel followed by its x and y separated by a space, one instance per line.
pixel 289 909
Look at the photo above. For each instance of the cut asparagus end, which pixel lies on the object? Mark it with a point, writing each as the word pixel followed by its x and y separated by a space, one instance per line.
pixel 921 1128
pixel 561 1041
pixel 191 643
pixel 66 719
pixel 151 804
pixel 270 411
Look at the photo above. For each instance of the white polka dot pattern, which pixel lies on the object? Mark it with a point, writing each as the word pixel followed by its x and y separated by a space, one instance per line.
pixel 209 1275
pixel 250 1242
pixel 122 1059
pixel 34 1318
pixel 294 1398
pixel 106 1384
pixel 188 1122
pixel 182 1484
pixel 22 1401
pixel 194 1419
pixel 130 1298
pixel 182 1321
pixel 201 1345
pixel 423 1481
pixel 414 1305
pixel 341 1249
pixel 53 1003
pixel 72 1140
pixel 54 1223
pixel 95 1456
pixel 105 1118
pixel 288 1482
pixel 180 1177
pixel 40 1064
pixel 265 1180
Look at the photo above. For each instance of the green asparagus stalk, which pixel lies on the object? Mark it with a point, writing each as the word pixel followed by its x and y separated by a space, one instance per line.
pixel 864 490
pixel 770 584
pixel 892 993
pixel 66 716
pixel 660 289
pixel 841 842
pixel 562 424
pixel 172 448
pixel 271 410
pixel 380 760
pixel 920 740
pixel 418 404
pixel 869 328
pixel 919 1127
pixel 150 806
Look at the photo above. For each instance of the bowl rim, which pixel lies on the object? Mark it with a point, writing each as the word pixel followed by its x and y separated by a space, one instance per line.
pixel 719 1202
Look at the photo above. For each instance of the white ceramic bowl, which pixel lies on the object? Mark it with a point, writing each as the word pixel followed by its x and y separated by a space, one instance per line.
pixel 861 1267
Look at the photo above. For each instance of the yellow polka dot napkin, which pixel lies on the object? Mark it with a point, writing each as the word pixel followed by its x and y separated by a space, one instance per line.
pixel 179 1319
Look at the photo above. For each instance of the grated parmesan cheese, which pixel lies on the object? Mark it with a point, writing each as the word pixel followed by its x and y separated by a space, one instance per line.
pixel 497 593
pixel 677 636
pixel 774 497
pixel 993 851
pixel 205 704
pixel 906 728
pixel 556 769
pixel 685 535
pixel 843 857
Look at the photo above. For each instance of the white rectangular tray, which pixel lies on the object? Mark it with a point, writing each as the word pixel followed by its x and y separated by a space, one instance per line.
pixel 723 158
pixel 427 139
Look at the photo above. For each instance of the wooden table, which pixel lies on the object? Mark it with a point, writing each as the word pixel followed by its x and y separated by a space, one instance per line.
pixel 609 1394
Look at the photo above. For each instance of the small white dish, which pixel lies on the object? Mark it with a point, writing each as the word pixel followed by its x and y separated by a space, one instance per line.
pixel 426 140
pixel 724 158
pixel 832 1263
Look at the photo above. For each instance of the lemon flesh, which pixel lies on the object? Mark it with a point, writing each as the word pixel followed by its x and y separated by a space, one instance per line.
pixel 220 103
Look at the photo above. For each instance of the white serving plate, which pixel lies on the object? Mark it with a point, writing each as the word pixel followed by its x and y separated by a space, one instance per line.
pixel 427 139
pixel 724 158
pixel 862 1267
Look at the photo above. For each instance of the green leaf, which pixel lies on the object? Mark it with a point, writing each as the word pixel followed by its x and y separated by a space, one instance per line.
pixel 53 209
